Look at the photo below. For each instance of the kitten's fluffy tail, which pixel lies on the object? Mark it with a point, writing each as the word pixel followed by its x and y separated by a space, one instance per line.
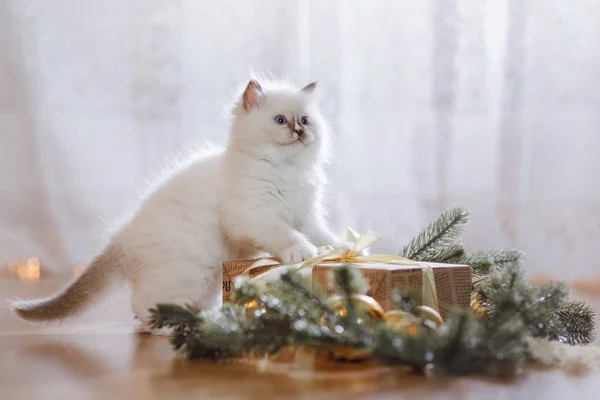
pixel 88 286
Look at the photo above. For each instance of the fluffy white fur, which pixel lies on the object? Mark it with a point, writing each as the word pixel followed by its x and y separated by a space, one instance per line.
pixel 261 193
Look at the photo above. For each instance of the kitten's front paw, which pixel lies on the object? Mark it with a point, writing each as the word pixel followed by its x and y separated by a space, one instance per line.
pixel 297 253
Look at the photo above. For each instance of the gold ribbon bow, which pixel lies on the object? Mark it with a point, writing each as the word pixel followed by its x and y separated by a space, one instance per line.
pixel 353 256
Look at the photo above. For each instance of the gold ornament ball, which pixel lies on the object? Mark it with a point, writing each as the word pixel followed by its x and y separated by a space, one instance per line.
pixel 253 308
pixel 364 304
pixel 478 306
pixel 348 353
pixel 429 314
pixel 401 321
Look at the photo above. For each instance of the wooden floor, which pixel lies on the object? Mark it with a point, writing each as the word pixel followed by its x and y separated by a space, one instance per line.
pixel 100 357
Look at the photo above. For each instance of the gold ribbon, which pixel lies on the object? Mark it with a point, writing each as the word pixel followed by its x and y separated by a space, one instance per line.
pixel 360 243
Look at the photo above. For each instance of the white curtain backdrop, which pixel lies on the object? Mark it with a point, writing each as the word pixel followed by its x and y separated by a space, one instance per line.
pixel 494 105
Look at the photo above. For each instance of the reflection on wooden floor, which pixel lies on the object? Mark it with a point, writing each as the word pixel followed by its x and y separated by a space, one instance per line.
pixel 100 356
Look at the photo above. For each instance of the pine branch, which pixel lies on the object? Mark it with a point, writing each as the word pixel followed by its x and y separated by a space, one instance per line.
pixel 440 234
pixel 405 300
pixel 219 335
pixel 298 290
pixel 403 348
pixel 183 320
pixel 547 301
pixel 349 280
pixel 552 295
pixel 579 321
pixel 449 356
pixel 483 261
pixel 450 254
pixel 544 311
pixel 290 315
pixel 286 312
pixel 169 315
pixel 343 281
pixel 345 277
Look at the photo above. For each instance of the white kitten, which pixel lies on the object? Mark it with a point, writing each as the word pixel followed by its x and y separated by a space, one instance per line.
pixel 261 193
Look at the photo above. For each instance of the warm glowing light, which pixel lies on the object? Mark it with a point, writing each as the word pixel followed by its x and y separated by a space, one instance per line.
pixel 29 270
pixel 12 267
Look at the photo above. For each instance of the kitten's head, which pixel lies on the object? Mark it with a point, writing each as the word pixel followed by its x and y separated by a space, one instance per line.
pixel 280 122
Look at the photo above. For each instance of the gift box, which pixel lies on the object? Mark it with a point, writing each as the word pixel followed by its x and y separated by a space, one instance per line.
pixel 235 268
pixel 443 286
pixel 452 282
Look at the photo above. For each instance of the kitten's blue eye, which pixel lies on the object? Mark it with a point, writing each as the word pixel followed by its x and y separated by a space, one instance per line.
pixel 304 120
pixel 280 120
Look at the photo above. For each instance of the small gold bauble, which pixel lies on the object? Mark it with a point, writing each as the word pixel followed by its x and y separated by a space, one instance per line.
pixel 348 353
pixel 366 307
pixel 363 304
pixel 253 308
pixel 397 316
pixel 478 306
pixel 401 321
pixel 429 314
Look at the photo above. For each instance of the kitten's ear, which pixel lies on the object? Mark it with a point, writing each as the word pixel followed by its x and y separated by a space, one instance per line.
pixel 252 95
pixel 310 87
